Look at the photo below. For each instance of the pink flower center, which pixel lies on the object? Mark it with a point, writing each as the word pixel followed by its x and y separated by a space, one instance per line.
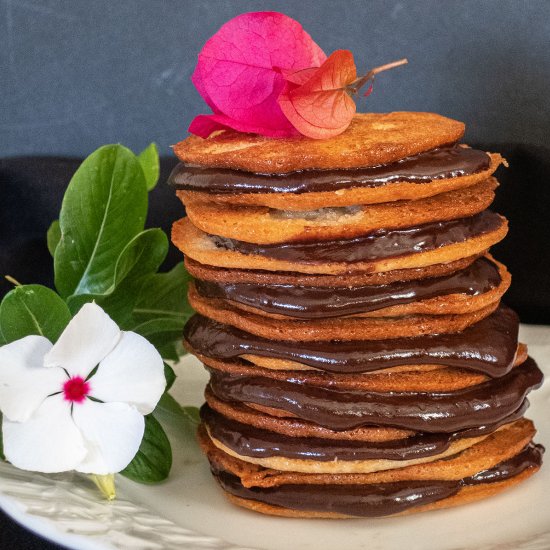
pixel 76 389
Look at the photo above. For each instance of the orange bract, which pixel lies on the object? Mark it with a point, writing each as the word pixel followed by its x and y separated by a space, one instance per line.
pixel 321 107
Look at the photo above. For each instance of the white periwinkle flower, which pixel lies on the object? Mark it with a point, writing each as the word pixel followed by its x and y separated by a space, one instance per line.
pixel 62 413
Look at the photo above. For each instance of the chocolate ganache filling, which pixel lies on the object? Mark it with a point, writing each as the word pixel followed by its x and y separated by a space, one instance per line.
pixel 444 411
pixel 304 302
pixel 254 442
pixel 383 243
pixel 489 347
pixel 375 499
pixel 444 162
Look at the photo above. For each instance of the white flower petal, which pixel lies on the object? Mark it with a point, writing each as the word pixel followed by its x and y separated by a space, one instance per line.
pixel 112 433
pixel 48 442
pixel 132 373
pixel 24 382
pixel 88 338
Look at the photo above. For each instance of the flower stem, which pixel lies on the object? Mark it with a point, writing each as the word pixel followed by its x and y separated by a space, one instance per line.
pixel 356 85
pixel 12 280
pixel 106 485
pixel 391 65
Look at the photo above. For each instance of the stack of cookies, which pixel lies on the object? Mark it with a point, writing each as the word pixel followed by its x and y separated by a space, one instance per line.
pixel 348 312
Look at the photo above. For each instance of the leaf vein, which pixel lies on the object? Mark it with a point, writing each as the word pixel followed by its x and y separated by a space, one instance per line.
pixel 101 229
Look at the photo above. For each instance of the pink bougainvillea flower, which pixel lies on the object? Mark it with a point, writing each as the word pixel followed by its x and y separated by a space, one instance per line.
pixel 240 73
pixel 262 73
pixel 78 404
pixel 205 125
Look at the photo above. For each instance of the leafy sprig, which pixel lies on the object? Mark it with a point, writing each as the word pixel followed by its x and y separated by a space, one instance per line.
pixel 103 253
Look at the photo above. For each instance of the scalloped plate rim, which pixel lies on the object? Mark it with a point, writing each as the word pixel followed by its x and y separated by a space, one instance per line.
pixel 47 529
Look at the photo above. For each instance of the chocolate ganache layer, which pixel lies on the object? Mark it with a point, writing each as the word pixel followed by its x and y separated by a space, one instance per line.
pixel 383 243
pixel 254 442
pixel 480 405
pixel 322 302
pixel 441 163
pixel 376 499
pixel 489 347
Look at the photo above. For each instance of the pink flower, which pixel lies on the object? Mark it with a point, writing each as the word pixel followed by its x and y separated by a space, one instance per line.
pixel 240 73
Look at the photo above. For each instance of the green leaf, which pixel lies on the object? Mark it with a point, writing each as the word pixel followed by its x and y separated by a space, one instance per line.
pixel 33 309
pixel 53 236
pixel 169 351
pixel 172 349
pixel 169 408
pixel 162 333
pixel 162 309
pixel 2 337
pixel 149 160
pixel 142 255
pixel 139 260
pixel 184 419
pixel 153 460
pixel 104 207
pixel 170 376
pixel 165 297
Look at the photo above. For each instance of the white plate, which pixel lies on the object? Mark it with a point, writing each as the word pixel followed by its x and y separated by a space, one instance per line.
pixel 189 511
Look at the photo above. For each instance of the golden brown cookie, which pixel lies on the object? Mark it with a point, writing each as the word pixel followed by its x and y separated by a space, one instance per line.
pixel 347 328
pixel 509 445
pixel 371 139
pixel 265 225
pixel 415 379
pixel 249 276
pixel 445 304
pixel 281 364
pixel 292 426
pixel 482 404
pixel 198 245
pixel 284 464
pixel 496 448
pixel 300 428
pixel 489 347
pixel 465 495
pixel 395 191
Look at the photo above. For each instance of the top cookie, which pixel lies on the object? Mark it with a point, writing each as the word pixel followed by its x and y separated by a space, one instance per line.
pixel 370 140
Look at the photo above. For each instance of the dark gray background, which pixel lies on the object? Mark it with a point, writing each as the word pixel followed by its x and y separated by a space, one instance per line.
pixel 76 74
